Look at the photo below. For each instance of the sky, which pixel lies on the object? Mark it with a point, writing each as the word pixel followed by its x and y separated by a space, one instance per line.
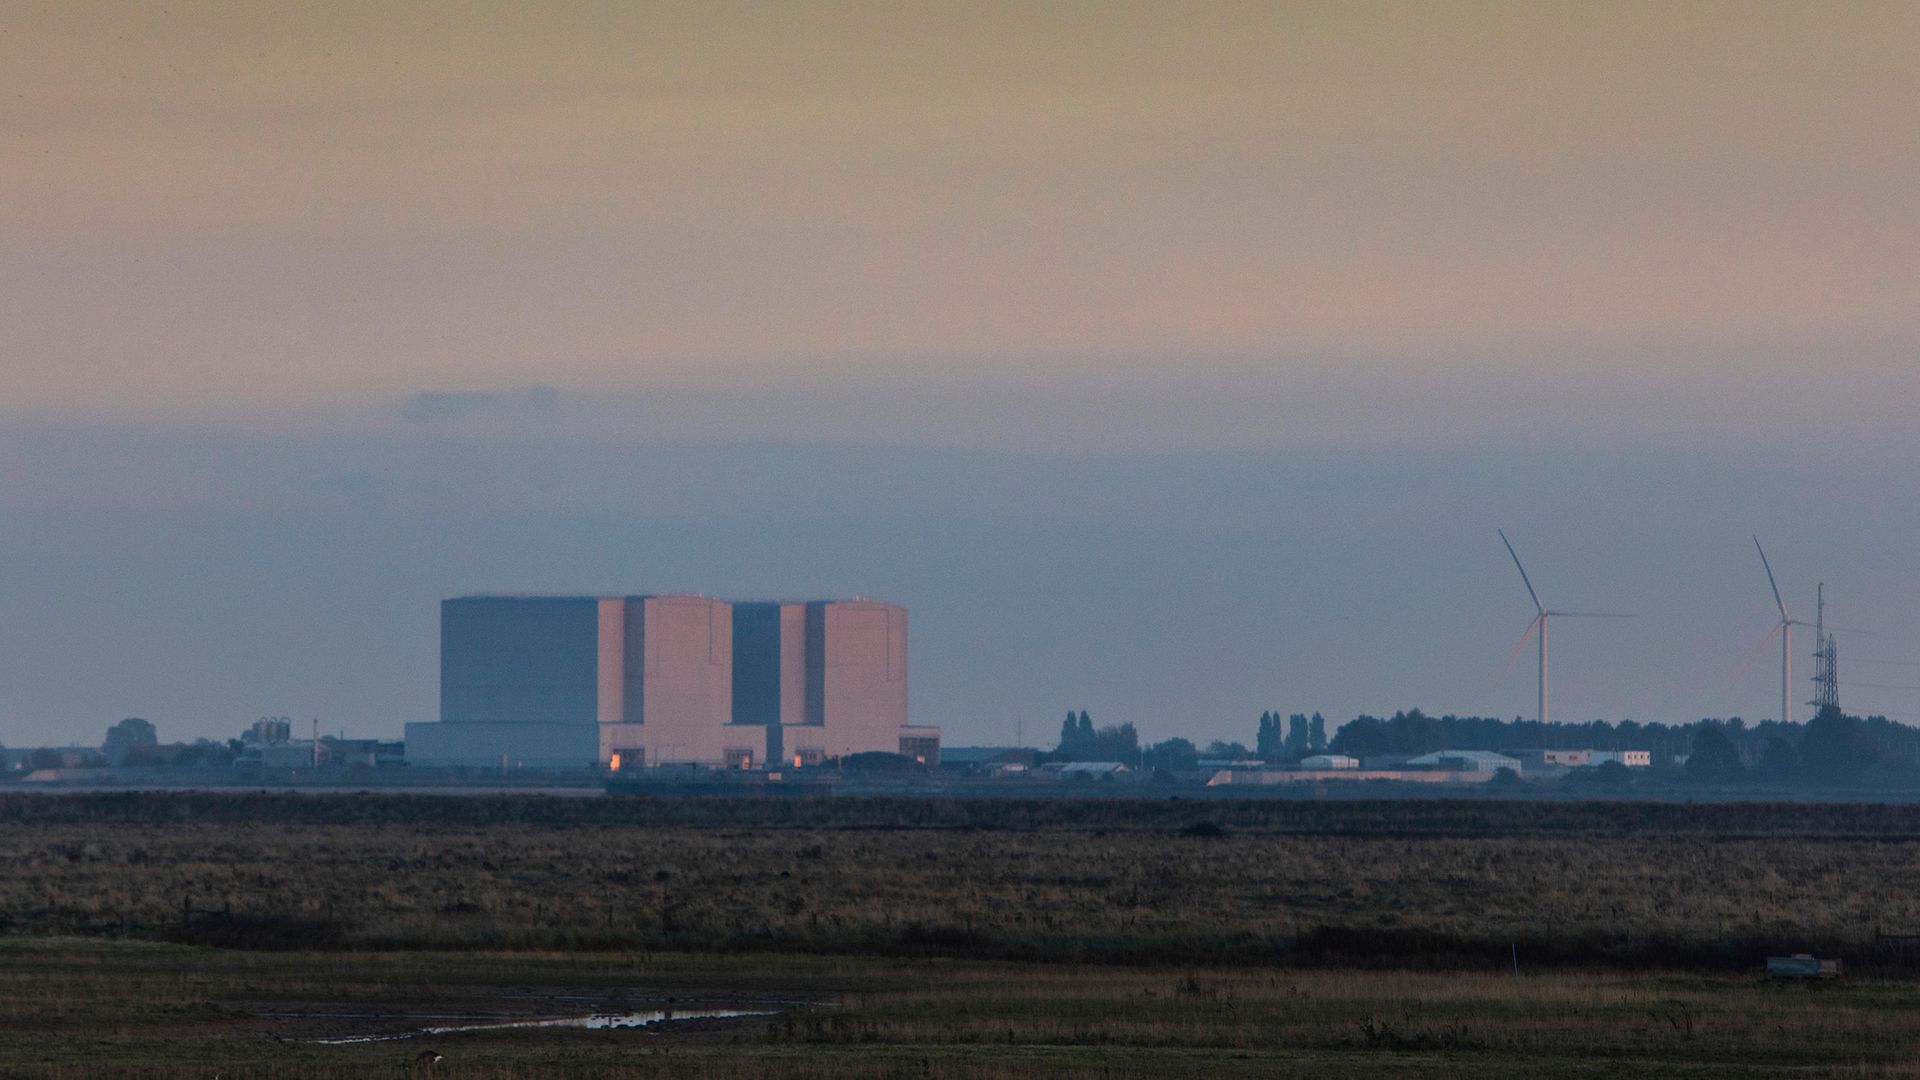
pixel 1173 362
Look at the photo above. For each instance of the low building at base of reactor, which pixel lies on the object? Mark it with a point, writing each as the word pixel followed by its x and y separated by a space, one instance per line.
pixel 626 682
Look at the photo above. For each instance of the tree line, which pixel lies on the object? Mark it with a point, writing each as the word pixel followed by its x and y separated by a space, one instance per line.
pixel 1833 750
pixel 1081 741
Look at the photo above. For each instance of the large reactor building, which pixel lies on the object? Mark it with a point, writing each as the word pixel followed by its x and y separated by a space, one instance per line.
pixel 630 681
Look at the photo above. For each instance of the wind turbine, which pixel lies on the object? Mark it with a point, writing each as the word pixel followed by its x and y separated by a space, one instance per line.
pixel 1540 620
pixel 1785 629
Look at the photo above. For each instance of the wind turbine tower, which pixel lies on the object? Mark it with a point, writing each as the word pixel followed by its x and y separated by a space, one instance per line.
pixel 1540 620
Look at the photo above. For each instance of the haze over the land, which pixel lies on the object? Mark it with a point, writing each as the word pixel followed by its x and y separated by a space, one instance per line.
pixel 1173 362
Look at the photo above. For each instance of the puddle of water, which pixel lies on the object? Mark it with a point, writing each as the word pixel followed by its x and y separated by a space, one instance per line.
pixel 591 1022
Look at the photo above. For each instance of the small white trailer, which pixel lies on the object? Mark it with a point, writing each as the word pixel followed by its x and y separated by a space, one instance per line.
pixel 1802 966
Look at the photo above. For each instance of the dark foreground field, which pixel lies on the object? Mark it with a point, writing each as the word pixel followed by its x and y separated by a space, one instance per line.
pixel 82 1008
pixel 194 935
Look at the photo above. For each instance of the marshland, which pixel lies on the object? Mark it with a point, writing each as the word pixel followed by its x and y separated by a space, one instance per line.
pixel 912 938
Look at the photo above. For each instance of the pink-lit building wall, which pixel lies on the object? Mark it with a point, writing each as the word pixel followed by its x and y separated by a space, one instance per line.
pixel 670 679
pixel 666 684
pixel 855 680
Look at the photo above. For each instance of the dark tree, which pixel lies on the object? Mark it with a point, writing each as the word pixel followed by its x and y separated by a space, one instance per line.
pixel 203 753
pixel 1174 754
pixel 1836 751
pixel 1120 743
pixel 1778 763
pixel 1269 743
pixel 149 756
pixel 1298 744
pixel 1506 780
pixel 1077 738
pixel 1317 733
pixel 1414 732
pixel 1362 737
pixel 1713 760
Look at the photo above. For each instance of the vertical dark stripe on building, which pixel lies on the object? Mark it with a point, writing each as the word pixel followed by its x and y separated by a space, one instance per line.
pixel 816 663
pixel 756 663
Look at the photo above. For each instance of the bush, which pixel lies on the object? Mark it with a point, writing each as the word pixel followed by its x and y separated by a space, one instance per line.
pixel 226 930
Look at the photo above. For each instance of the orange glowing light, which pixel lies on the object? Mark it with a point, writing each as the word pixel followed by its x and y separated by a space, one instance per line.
pixel 613 764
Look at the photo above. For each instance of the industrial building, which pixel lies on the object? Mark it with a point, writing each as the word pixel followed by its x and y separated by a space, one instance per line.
pixel 827 678
pixel 1241 777
pixel 1539 760
pixel 627 682
pixel 1485 761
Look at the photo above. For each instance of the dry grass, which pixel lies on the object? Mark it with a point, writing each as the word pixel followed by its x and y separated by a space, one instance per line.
pixel 1045 949
pixel 1045 894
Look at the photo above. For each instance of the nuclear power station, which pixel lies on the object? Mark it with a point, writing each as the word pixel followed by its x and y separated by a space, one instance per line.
pixel 625 682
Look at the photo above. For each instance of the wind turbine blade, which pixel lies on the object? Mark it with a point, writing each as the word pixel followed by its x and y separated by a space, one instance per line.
pixel 1593 614
pixel 1830 628
pixel 1755 654
pixel 1514 653
pixel 1524 580
pixel 1779 603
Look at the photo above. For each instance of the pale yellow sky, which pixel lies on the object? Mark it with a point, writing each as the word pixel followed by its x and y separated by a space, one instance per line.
pixel 208 205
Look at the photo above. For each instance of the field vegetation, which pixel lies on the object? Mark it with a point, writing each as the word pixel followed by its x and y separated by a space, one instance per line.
pixel 1456 885
pixel 201 935
pixel 74 1008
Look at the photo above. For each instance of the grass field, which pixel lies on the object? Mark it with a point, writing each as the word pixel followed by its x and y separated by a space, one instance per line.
pixel 223 935
pixel 75 1008
pixel 1351 890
